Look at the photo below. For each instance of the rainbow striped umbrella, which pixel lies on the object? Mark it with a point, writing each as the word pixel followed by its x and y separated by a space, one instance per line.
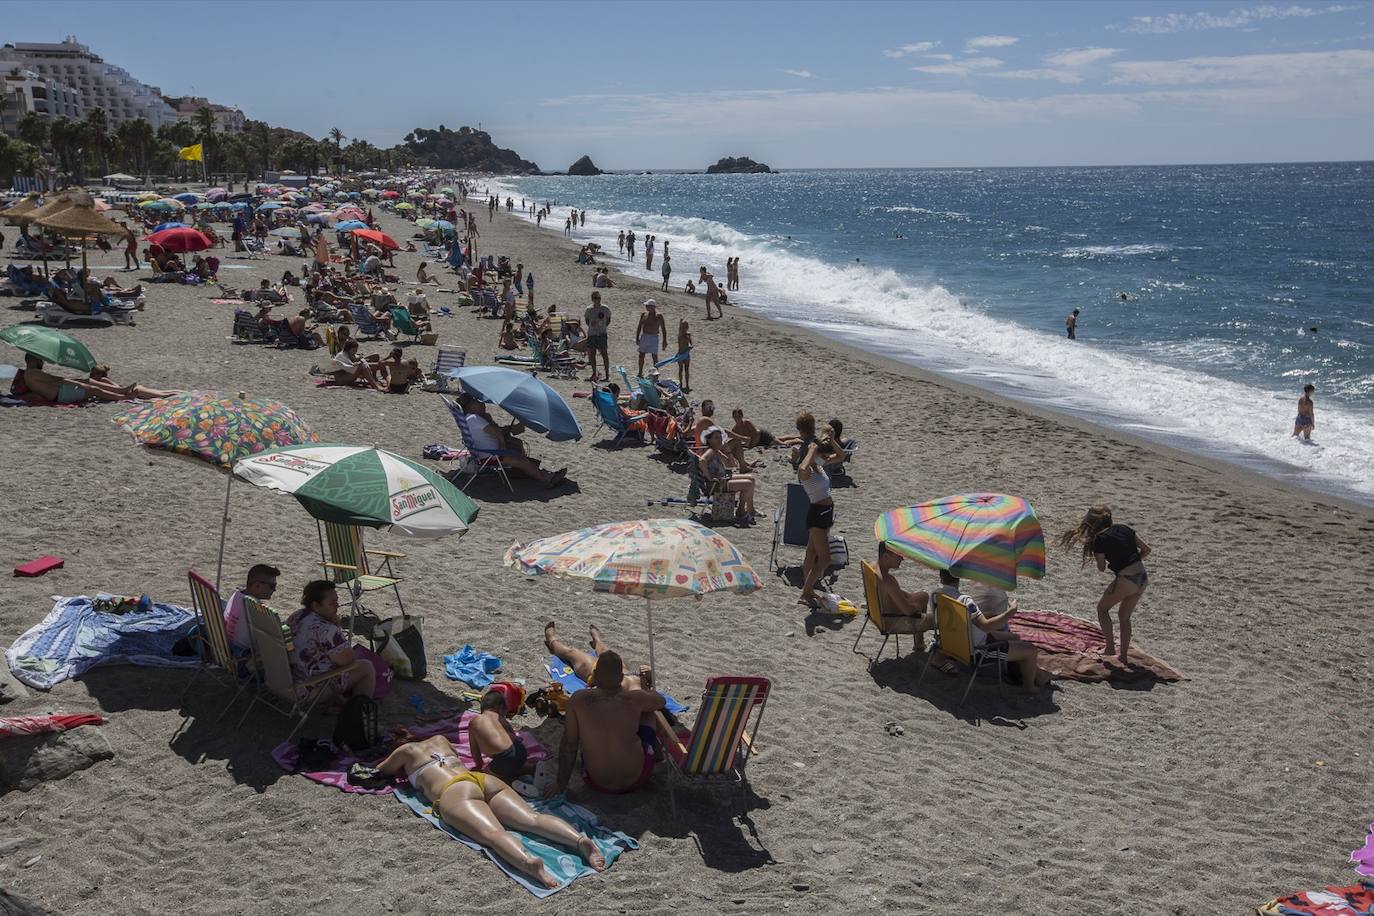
pixel 986 537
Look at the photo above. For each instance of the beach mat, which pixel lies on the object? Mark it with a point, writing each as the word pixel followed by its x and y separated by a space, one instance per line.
pixel 1068 650
pixel 564 675
pixel 565 864
pixel 1363 858
pixel 1352 900
pixel 454 728
pixel 74 638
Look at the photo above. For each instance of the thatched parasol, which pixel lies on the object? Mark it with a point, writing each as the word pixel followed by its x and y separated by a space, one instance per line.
pixel 79 221
pixel 57 203
pixel 27 205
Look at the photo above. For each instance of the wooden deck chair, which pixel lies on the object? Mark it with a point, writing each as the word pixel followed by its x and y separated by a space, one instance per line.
pixel 479 460
pixel 281 691
pixel 345 561
pixel 720 743
pixel 893 627
pixel 954 637
pixel 212 640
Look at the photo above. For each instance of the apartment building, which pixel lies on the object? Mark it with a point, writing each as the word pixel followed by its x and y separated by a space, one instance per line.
pixel 227 120
pixel 24 91
pixel 97 84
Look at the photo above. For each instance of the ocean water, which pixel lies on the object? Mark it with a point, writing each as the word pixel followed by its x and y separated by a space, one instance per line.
pixel 971 272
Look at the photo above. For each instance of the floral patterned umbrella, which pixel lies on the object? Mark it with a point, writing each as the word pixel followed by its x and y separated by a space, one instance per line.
pixel 217 428
pixel 655 558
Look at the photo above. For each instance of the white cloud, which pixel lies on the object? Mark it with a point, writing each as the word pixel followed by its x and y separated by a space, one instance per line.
pixel 1239 18
pixel 1063 76
pixel 800 74
pixel 960 67
pixel 1341 70
pixel 939 56
pixel 1080 57
pixel 990 41
pixel 917 47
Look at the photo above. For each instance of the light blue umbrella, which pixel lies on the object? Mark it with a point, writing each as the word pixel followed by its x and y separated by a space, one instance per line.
pixel 187 197
pixel 522 396
pixel 271 205
pixel 442 224
pixel 350 224
pixel 171 225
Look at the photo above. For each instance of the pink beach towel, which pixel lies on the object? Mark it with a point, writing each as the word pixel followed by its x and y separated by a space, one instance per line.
pixel 1069 650
pixel 454 728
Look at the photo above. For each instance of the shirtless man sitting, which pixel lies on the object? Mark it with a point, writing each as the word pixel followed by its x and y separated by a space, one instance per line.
pixel 606 722
pixel 732 444
pixel 902 611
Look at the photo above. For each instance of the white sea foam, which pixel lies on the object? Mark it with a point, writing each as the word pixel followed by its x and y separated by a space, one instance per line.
pixel 1114 251
pixel 926 324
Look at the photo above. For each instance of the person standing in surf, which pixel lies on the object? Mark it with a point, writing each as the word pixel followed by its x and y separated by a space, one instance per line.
pixel 1071 325
pixel 1307 417
pixel 1118 548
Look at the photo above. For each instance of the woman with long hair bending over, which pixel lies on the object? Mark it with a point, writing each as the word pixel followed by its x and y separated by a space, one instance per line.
pixel 484 807
pixel 1118 548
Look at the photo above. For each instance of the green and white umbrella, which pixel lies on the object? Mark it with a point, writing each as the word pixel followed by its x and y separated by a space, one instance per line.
pixel 356 485
pixel 50 345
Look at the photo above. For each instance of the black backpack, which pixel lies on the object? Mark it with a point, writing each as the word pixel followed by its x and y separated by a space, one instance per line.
pixel 357 728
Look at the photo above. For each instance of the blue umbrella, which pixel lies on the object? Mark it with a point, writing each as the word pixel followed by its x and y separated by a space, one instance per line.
pixel 270 205
pixel 522 396
pixel 240 205
pixel 350 224
pixel 171 225
pixel 317 218
pixel 187 197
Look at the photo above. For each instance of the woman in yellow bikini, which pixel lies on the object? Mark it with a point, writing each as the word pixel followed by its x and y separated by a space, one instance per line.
pixel 484 807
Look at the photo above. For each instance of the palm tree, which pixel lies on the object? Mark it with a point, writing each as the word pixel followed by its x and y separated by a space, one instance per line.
pixel 65 137
pixel 97 129
pixel 33 129
pixel 263 143
pixel 136 141
pixel 204 120
pixel 337 136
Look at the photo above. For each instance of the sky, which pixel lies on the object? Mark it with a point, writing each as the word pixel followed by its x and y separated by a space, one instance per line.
pixel 646 85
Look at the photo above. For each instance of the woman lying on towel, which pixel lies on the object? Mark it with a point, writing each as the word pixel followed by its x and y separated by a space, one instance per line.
pixel 484 807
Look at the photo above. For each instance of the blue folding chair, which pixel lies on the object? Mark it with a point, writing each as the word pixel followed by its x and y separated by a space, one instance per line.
pixel 482 459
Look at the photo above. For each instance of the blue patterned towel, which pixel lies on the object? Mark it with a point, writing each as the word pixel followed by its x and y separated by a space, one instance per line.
pixel 74 638
pixel 472 666
pixel 565 864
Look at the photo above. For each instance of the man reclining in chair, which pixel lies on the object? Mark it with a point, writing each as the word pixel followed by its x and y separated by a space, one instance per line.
pixel 489 437
pixel 611 721
pixel 902 611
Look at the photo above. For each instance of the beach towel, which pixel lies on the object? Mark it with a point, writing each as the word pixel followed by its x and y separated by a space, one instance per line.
pixel 1354 900
pixel 331 383
pixel 20 726
pixel 1068 650
pixel 454 728
pixel 564 675
pixel 472 666
pixel 75 637
pixel 1364 856
pixel 565 864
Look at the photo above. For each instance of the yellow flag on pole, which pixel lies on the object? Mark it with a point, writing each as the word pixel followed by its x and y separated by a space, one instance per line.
pixel 192 153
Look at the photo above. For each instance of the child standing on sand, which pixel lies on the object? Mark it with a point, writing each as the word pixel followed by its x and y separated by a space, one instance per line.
pixel 684 348
pixel 1115 547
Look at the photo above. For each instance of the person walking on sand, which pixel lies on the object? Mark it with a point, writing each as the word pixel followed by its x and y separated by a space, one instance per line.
pixel 649 253
pixel 712 294
pixel 667 266
pixel 1307 418
pixel 598 320
pixel 130 247
pixel 1120 549
pixel 650 331
pixel 620 242
pixel 1071 325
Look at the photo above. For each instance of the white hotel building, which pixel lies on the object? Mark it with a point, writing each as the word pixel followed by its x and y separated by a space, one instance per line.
pixel 96 83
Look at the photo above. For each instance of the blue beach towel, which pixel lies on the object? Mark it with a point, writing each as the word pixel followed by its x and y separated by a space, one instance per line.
pixel 472 666
pixel 564 675
pixel 566 865
pixel 74 638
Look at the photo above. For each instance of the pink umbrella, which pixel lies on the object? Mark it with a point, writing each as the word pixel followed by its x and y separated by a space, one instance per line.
pixel 180 239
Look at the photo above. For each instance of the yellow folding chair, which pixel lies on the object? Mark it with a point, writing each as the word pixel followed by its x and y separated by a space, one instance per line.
pixel 954 637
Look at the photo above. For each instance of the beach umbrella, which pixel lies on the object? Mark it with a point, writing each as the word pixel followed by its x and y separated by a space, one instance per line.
pixel 50 345
pixel 187 197
pixel 653 558
pixel 208 206
pixel 293 232
pixel 376 235
pixel 148 195
pixel 174 224
pixel 986 537
pixel 164 205
pixel 101 206
pixel 80 222
pixel 321 219
pixel 350 225
pixel 357 485
pixel 180 240
pixel 442 225
pixel 27 205
pixel 56 203
pixel 119 177
pixel 404 207
pixel 391 195
pixel 216 191
pixel 215 428
pixel 522 396
pixel 270 205
pixel 424 223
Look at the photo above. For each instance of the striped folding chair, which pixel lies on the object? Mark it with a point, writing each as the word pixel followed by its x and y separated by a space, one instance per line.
pixel 480 459
pixel 720 744
pixel 445 362
pixel 291 697
pixel 212 640
pixel 345 561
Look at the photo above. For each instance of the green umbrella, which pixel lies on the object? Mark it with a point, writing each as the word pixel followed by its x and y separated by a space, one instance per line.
pixel 50 345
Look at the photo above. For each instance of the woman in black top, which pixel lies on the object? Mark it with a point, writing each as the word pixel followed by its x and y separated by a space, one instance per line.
pixel 1118 548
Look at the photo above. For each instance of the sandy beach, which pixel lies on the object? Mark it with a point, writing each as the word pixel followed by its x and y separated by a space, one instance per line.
pixel 1208 796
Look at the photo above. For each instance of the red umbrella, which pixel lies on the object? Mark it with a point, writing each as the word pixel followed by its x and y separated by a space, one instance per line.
pixel 374 235
pixel 180 239
pixel 391 195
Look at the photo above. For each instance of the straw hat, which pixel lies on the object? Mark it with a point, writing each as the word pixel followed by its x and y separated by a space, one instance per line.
pixel 80 221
